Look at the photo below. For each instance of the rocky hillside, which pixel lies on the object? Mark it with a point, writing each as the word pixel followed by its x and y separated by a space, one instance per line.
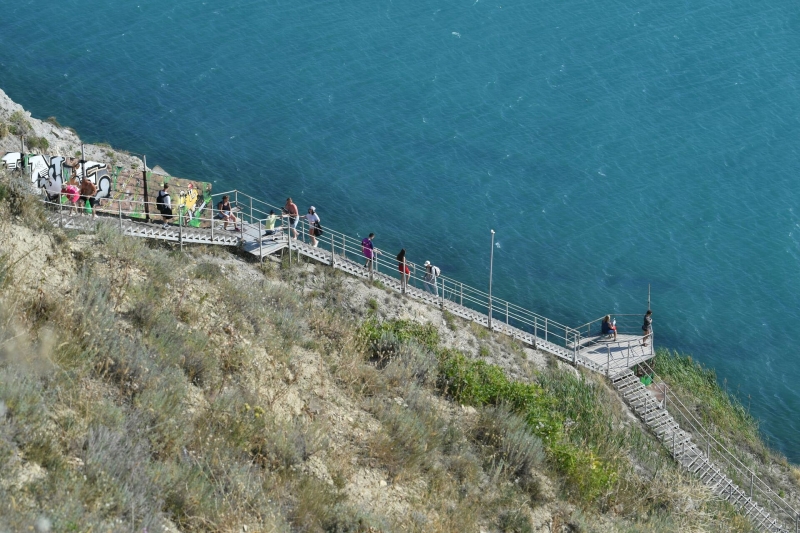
pixel 144 389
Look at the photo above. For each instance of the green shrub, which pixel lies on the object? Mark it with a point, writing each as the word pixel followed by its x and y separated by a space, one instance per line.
pixel 19 124
pixel 373 330
pixel 39 144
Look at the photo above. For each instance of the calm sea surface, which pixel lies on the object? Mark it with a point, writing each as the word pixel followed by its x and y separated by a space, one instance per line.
pixel 610 145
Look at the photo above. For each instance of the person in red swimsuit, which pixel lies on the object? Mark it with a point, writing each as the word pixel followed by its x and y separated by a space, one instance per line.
pixel 405 273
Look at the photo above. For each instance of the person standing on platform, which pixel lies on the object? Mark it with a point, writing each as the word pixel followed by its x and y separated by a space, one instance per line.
pixel 647 327
pixel 314 225
pixel 290 209
pixel 402 266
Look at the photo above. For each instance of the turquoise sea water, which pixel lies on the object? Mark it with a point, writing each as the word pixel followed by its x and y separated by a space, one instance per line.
pixel 611 145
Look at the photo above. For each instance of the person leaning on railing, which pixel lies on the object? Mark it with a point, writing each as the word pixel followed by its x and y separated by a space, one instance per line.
pixel 290 210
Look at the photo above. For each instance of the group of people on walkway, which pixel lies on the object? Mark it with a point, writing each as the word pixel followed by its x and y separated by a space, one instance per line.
pixel 80 195
pixel 431 272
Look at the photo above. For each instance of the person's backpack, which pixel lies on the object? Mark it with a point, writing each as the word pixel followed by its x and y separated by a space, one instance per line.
pixel 160 204
pixel 436 271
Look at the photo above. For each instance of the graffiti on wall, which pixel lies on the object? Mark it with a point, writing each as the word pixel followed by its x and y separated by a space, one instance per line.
pixel 122 189
pixel 51 172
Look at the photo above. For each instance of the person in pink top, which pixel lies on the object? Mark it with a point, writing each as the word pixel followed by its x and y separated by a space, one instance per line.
pixel 73 194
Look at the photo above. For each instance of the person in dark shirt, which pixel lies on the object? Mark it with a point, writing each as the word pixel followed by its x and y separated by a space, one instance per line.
pixel 647 327
pixel 608 328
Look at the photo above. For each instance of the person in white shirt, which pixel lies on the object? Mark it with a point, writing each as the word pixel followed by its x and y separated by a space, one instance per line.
pixel 431 273
pixel 313 225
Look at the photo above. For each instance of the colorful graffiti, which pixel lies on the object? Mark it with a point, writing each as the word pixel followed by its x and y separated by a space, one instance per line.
pixel 121 189
pixel 50 172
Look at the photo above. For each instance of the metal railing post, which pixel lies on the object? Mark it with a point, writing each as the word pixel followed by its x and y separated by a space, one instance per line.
pixel 506 312
pixel 545 329
pixel 333 253
pixel 260 242
pixel 212 223
pixel 372 269
pixel 251 210
pixel 119 205
pixel 575 347
pixel 180 228
pixel 289 233
pixel 442 300
pixel 403 278
pixel 751 485
pixel 461 295
pixel 608 369
pixel 60 213
pixel 665 396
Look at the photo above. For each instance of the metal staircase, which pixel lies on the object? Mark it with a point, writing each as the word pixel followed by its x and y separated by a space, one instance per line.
pixel 692 458
pixel 140 228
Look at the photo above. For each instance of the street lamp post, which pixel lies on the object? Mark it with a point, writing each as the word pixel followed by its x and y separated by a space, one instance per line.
pixel 491 265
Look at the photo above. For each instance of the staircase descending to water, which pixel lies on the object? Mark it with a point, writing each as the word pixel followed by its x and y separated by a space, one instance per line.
pixel 654 414
pixel 612 359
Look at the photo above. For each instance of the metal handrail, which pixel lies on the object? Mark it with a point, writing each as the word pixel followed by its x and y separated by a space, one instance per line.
pixel 726 455
pixel 448 291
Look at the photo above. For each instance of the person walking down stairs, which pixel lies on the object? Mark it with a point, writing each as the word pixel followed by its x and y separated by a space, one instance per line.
pixel 314 226
pixel 164 205
pixel 431 273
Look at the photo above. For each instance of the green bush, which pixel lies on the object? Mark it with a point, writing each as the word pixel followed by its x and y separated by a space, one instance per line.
pixel 19 124
pixel 39 144
pixel 403 330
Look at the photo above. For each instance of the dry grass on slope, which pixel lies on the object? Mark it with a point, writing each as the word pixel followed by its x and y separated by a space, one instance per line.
pixel 144 388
